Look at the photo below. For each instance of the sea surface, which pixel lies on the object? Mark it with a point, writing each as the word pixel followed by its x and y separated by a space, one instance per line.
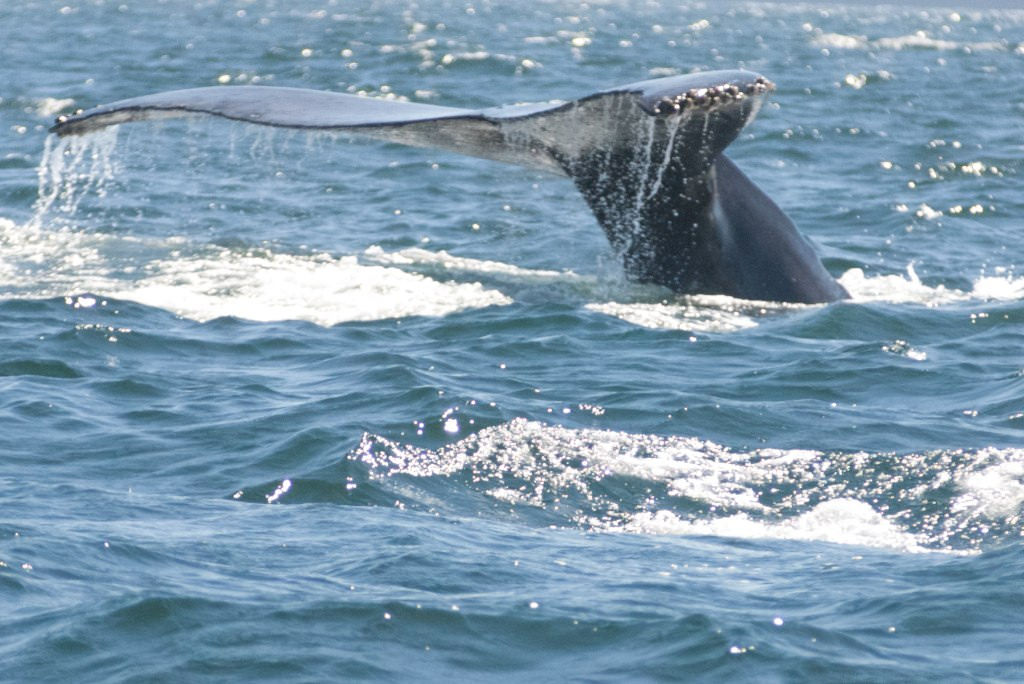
pixel 306 407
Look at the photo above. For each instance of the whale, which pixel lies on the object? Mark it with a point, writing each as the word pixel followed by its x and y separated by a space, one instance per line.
pixel 647 157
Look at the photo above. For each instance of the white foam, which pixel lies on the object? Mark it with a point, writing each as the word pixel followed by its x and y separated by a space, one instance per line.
pixel 896 288
pixel 858 499
pixel 917 40
pixel 555 461
pixel 35 262
pixel 996 490
pixel 50 257
pixel 999 288
pixel 695 314
pixel 209 282
pixel 701 313
pixel 417 256
pixel 839 40
pixel 320 289
pixel 921 40
pixel 839 521
pixel 47 107
pixel 722 314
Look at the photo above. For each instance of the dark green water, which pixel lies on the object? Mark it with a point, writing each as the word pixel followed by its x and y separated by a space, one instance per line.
pixel 298 407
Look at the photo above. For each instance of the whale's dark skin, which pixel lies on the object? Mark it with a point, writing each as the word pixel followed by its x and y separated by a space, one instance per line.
pixel 647 158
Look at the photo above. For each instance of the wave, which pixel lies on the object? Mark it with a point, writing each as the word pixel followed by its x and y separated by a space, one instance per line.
pixel 920 40
pixel 609 481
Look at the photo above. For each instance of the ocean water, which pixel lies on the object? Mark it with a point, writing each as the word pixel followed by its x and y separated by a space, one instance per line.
pixel 307 407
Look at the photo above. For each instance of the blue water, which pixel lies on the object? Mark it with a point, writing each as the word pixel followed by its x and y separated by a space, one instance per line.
pixel 304 407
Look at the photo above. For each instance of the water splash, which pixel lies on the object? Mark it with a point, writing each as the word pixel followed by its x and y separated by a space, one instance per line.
pixel 71 169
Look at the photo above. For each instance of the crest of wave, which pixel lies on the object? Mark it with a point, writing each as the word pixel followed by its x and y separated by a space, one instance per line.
pixel 614 481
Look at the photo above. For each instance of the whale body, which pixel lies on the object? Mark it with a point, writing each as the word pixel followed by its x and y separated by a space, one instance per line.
pixel 647 157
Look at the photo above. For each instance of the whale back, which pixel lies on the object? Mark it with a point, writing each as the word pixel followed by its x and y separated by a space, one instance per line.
pixel 645 157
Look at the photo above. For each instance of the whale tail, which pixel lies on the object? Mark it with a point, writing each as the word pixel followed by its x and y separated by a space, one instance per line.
pixel 647 158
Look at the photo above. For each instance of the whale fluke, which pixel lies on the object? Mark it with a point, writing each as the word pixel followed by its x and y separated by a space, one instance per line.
pixel 647 158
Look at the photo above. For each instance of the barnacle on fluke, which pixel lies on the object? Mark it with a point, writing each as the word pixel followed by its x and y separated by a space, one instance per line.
pixel 708 98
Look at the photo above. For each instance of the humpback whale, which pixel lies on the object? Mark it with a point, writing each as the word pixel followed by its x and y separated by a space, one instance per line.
pixel 647 157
